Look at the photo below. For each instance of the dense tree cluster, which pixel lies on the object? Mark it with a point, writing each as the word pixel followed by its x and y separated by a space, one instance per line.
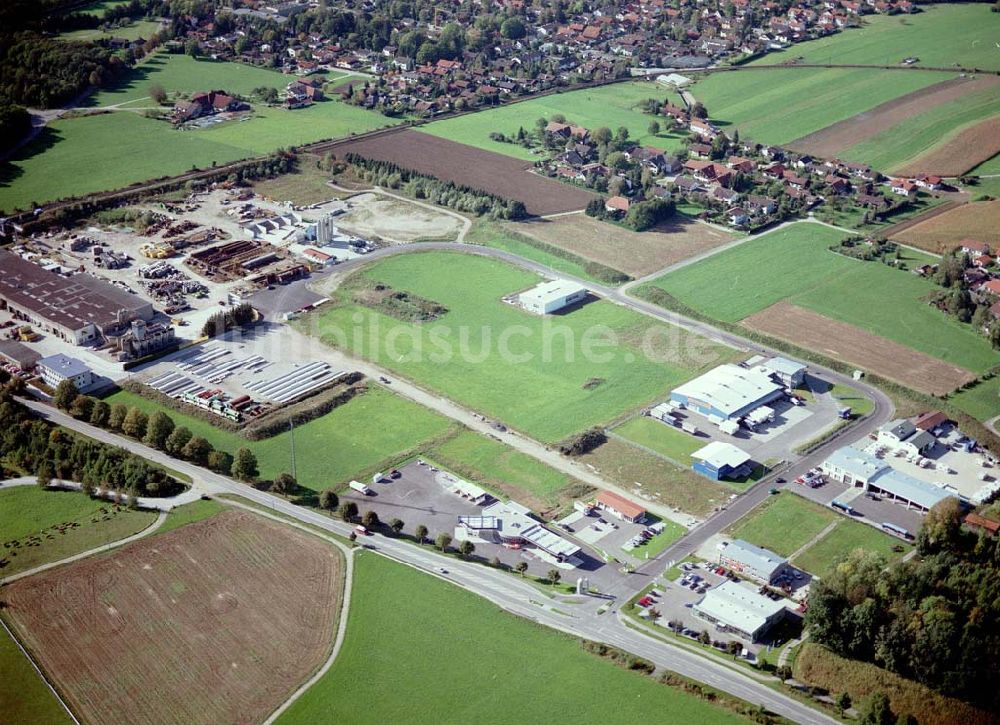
pixel 934 619
pixel 31 444
pixel 436 191
pixel 14 124
pixel 45 72
pixel 236 316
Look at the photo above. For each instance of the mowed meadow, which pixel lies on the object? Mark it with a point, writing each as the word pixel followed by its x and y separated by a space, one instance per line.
pixel 119 145
pixel 801 269
pixel 547 376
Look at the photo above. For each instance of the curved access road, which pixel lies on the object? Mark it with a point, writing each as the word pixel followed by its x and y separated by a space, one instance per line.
pixel 503 589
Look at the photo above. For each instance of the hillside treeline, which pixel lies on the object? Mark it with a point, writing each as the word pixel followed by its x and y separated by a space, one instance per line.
pixel 934 619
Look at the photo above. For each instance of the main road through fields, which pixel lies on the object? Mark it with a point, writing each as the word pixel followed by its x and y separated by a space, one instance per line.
pixel 503 589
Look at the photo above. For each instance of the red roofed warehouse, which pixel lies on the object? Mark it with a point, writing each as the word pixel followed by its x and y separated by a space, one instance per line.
pixel 621 507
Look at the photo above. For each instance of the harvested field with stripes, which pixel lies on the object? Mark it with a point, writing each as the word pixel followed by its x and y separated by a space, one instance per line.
pixel 979 220
pixel 216 622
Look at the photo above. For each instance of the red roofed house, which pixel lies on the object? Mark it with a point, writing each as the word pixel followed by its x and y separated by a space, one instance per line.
pixel 971 246
pixel 930 419
pixel 621 507
pixel 617 203
pixel 980 523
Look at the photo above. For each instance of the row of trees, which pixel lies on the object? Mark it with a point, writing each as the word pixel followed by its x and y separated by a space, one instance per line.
pixel 436 191
pixel 30 444
pixel 934 619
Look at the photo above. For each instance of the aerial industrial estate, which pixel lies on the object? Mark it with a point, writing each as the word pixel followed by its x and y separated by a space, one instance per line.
pixel 653 347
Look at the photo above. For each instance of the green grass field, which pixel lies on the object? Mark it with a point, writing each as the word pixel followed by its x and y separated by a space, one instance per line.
pixel 541 375
pixel 29 510
pixel 802 270
pixel 498 466
pixel 346 442
pixel 784 523
pixel 981 402
pixel 190 513
pixel 666 440
pixel 99 8
pixel 75 156
pixel 847 395
pixel 671 532
pixel 941 36
pixel 778 106
pixel 906 141
pixel 847 536
pixel 988 168
pixel 24 697
pixel 442 655
pixel 132 31
pixel 611 106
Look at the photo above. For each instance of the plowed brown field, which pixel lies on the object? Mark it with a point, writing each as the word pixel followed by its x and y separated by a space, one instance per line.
pixel 851 344
pixel 215 622
pixel 830 141
pixel 504 176
pixel 979 220
pixel 965 150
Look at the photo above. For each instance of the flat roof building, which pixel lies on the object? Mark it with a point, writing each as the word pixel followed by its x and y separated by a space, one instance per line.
pixel 77 309
pixel 860 469
pixel 789 373
pixel 57 368
pixel 621 507
pixel 720 460
pixel 510 523
pixel 15 353
pixel 549 297
pixel 752 561
pixel 734 607
pixel 727 392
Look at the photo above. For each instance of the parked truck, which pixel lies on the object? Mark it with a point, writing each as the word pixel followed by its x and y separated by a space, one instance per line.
pixel 360 487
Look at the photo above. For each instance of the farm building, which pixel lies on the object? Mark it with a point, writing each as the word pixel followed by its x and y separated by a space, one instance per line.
pixel 789 373
pixel 751 561
pixel 737 608
pixel 550 297
pixel 674 80
pixel 902 435
pixel 720 460
pixel 727 392
pixel 857 468
pixel 976 523
pixel 77 309
pixel 621 507
pixel 511 524
pixel 57 368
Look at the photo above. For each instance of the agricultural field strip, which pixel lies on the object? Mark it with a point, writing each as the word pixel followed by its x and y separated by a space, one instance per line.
pixel 864 294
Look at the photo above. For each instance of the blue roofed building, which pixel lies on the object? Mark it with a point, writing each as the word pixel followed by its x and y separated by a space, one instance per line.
pixel 720 460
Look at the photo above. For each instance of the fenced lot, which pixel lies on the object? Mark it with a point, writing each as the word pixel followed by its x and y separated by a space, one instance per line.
pixel 217 622
pixel 546 385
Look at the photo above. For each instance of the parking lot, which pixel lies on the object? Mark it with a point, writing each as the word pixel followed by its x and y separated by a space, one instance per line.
pixel 420 495
pixel 611 535
pixel 874 511
pixel 674 600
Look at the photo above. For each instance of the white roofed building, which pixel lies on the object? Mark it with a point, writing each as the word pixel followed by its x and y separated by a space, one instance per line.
pixel 752 561
pixel 509 523
pixel 736 608
pixel 789 373
pixel 549 297
pixel 720 460
pixel 57 368
pixel 728 392
pixel 860 469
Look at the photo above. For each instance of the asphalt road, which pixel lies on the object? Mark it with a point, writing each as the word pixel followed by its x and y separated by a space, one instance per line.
pixel 505 590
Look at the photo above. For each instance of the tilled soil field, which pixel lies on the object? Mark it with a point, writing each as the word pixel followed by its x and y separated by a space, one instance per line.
pixel 851 344
pixel 979 220
pixel 218 621
pixel 832 140
pixel 497 174
pixel 965 150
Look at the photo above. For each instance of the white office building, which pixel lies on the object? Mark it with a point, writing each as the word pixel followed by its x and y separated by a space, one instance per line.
pixel 550 297
pixel 736 608
pixel 57 368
